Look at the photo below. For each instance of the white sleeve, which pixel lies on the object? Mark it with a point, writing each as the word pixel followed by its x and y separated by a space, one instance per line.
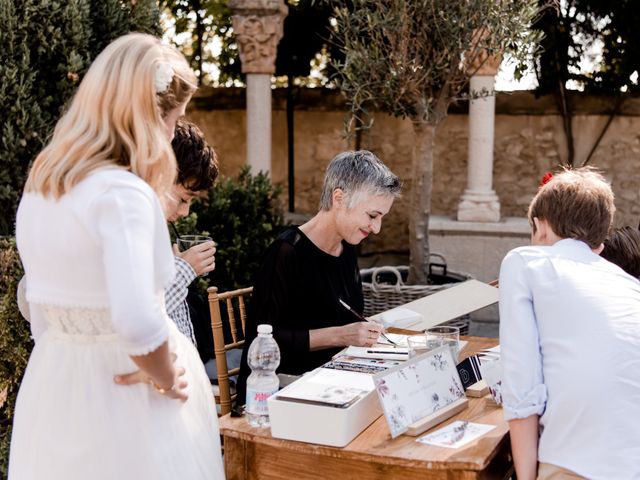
pixel 37 321
pixel 523 390
pixel 124 220
pixel 31 312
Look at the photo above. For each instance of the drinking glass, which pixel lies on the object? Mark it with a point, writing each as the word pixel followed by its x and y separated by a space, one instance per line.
pixel 185 242
pixel 417 345
pixel 444 335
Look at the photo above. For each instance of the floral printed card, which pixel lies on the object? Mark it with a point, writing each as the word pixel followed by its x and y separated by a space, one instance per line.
pixel 491 369
pixel 417 388
pixel 335 388
pixel 456 434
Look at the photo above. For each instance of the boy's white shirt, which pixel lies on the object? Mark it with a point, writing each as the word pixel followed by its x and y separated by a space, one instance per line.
pixel 570 342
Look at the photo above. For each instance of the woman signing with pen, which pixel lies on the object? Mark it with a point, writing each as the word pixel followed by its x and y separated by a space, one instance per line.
pixel 307 270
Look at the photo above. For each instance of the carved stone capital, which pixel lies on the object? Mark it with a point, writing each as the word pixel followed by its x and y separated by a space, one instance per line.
pixel 258 28
pixel 477 59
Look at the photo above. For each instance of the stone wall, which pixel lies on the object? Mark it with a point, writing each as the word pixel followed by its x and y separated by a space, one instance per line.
pixel 529 141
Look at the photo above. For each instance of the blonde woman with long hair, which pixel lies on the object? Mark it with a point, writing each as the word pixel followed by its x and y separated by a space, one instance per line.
pixel 112 390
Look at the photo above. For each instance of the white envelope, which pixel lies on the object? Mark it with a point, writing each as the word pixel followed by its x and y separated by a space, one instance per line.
pixel 399 317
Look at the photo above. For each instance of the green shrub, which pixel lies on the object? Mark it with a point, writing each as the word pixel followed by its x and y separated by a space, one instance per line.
pixel 47 46
pixel 15 342
pixel 243 216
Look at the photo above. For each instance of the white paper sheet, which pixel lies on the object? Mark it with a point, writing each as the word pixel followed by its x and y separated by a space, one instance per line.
pixel 456 434
pixel 399 317
pixel 341 378
pixel 448 304
pixel 401 340
pixel 384 351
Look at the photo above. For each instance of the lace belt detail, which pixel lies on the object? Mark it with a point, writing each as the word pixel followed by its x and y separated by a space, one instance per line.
pixel 80 322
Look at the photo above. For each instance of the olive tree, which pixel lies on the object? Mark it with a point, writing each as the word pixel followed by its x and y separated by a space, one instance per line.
pixel 411 59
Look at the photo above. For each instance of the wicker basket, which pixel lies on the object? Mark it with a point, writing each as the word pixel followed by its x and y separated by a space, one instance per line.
pixel 384 288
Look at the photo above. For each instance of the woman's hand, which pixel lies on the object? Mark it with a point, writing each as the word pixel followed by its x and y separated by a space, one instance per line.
pixel 201 257
pixel 176 390
pixel 360 334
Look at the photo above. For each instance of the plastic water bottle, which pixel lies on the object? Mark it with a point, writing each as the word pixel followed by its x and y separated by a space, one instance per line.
pixel 263 358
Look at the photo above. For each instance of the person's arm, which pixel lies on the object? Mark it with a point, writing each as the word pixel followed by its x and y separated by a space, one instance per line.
pixel 176 293
pixel 359 334
pixel 157 369
pixel 125 220
pixel 523 390
pixel 274 302
pixel 524 446
pixel 200 257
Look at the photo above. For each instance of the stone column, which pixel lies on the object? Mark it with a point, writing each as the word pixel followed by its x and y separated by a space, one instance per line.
pixel 258 28
pixel 479 202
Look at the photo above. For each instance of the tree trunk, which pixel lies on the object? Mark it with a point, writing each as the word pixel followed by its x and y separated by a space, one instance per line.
pixel 199 39
pixel 567 121
pixel 290 144
pixel 422 176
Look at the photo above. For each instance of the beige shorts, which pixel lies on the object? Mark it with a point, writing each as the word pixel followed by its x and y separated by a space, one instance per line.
pixel 546 471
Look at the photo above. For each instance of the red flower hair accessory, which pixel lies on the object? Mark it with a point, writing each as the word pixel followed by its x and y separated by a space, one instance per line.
pixel 546 178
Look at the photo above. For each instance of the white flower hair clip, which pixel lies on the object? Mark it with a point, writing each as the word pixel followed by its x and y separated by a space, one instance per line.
pixel 164 75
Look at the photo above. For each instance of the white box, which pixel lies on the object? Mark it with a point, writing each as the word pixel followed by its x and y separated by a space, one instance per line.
pixel 324 425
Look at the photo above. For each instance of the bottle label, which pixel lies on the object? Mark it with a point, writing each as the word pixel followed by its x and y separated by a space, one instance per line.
pixel 257 401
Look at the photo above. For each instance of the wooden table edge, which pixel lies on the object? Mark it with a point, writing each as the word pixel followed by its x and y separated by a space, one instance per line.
pixel 338 452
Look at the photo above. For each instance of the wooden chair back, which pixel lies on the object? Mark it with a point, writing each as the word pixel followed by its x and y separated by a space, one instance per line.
pixel 234 302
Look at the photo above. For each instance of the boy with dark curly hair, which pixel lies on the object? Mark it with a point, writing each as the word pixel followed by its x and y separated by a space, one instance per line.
pixel 197 171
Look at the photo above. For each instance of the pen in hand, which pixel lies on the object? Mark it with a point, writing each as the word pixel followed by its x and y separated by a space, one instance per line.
pixel 360 317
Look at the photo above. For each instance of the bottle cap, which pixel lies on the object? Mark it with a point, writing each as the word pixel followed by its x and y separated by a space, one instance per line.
pixel 265 328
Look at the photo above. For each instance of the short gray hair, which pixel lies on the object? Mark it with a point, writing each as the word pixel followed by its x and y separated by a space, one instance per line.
pixel 357 172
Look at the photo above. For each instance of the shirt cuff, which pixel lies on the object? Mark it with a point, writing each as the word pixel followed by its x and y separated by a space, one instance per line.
pixel 184 269
pixel 150 344
pixel 533 403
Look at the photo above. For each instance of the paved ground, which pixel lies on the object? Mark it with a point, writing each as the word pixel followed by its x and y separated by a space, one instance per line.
pixel 483 329
pixel 485 322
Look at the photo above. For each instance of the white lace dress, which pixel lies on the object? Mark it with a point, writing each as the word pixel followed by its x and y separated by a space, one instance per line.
pixel 95 263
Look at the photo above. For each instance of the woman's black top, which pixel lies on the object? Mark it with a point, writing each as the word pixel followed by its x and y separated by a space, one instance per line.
pixel 297 289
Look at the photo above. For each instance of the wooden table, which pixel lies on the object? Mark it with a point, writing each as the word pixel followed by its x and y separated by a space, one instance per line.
pixel 252 453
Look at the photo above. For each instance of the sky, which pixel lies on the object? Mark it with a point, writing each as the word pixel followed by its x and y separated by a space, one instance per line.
pixel 505 81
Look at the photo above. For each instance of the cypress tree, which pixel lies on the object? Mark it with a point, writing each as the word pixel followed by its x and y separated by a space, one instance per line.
pixel 24 123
